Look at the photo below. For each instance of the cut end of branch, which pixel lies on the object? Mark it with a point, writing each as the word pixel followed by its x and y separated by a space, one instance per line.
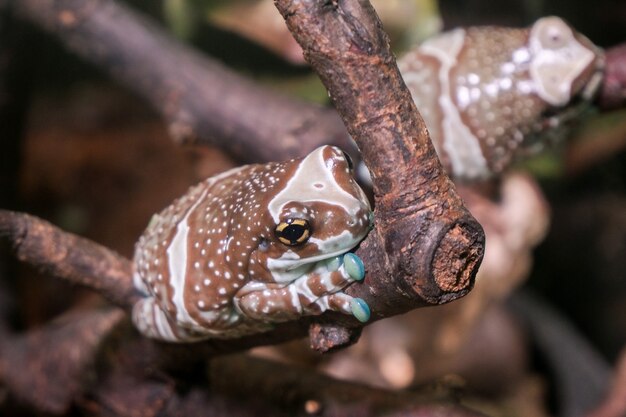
pixel 457 258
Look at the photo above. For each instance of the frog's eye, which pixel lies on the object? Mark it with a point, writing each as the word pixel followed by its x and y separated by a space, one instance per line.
pixel 348 160
pixel 293 232
pixel 555 38
pixel 554 33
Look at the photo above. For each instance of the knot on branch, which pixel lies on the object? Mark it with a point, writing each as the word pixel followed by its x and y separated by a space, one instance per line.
pixel 341 24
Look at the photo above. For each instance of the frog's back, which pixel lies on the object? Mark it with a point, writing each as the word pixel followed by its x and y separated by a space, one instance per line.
pixel 489 94
pixel 170 252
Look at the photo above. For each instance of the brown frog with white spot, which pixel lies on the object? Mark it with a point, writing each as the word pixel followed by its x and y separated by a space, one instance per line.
pixel 253 246
pixel 489 95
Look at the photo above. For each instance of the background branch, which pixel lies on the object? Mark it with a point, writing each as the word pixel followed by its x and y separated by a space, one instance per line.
pixel 49 367
pixel 268 388
pixel 67 256
pixel 201 101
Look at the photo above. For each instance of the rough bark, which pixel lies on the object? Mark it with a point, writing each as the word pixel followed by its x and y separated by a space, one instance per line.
pixel 70 363
pixel 268 389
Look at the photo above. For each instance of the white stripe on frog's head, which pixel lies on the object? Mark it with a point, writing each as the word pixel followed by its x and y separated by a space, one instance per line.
pixel 559 58
pixel 323 191
pixel 314 181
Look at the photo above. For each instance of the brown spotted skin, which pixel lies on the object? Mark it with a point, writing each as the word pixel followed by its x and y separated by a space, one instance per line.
pixel 210 264
pixel 489 95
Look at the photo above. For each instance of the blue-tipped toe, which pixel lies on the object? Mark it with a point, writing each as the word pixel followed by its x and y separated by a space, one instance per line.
pixel 360 309
pixel 334 263
pixel 354 266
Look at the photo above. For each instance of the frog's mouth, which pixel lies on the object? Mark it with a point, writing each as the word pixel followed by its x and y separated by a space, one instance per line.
pixel 286 269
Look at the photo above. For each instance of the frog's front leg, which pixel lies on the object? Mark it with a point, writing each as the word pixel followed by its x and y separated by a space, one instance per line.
pixel 310 294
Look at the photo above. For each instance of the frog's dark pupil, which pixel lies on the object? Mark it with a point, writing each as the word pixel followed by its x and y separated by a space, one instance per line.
pixel 293 232
pixel 348 160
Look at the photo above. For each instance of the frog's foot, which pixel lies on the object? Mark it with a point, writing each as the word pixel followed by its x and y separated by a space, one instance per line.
pixel 311 294
pixel 346 304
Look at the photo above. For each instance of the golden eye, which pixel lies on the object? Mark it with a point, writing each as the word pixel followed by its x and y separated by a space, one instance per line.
pixel 293 232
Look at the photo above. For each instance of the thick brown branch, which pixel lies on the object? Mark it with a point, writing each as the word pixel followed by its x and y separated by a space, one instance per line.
pixel 426 247
pixel 613 92
pixel 69 257
pixel 201 101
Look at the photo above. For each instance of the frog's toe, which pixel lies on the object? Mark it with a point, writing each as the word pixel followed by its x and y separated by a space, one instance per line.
pixel 353 265
pixel 346 304
pixel 360 309
pixel 340 302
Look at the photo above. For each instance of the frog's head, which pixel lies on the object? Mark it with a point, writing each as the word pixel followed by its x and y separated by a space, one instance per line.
pixel 564 64
pixel 320 212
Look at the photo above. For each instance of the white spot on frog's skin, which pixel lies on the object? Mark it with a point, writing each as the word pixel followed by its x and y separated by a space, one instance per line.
pixel 558 59
pixel 461 146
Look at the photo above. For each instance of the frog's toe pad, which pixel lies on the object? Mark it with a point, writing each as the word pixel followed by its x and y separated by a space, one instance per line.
pixel 353 266
pixel 360 309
